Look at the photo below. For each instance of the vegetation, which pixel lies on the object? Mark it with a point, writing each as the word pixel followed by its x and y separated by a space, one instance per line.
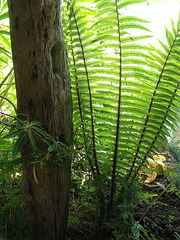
pixel 125 104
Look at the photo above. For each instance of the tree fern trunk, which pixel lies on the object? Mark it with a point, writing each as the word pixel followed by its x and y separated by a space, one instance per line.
pixel 43 93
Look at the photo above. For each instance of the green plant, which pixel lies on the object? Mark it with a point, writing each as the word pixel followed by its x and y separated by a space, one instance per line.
pixel 125 96
pixel 6 81
pixel 5 46
pixel 12 206
pixel 174 149
pixel 12 203
pixel 170 221
pixel 177 236
pixel 33 132
pixel 13 216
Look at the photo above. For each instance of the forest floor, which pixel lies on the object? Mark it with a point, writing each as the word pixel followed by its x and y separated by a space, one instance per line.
pixel 162 219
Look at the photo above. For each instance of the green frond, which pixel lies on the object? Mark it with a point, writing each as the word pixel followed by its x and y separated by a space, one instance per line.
pixel 4 16
pixel 126 3
pixel 125 94
pixel 169 37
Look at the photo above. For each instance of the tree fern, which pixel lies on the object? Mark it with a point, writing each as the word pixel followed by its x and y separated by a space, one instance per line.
pixel 125 93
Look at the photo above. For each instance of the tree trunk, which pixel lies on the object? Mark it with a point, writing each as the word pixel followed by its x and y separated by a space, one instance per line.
pixel 44 94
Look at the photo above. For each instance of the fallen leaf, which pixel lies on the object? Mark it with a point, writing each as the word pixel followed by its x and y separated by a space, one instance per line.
pixel 151 177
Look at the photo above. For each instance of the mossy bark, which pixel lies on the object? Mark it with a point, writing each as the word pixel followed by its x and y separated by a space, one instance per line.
pixel 44 94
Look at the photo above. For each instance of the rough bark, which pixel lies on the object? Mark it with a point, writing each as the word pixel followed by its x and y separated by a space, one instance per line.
pixel 44 94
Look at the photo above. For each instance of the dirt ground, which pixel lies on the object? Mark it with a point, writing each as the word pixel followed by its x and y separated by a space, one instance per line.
pixel 163 218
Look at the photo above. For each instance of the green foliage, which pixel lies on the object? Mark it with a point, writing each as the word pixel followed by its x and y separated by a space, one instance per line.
pixel 5 45
pixel 177 236
pixel 13 216
pixel 32 132
pixel 12 203
pixel 7 98
pixel 174 150
pixel 125 94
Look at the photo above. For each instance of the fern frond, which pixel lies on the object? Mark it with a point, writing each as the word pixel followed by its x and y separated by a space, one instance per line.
pixel 80 41
pixel 167 85
pixel 125 93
